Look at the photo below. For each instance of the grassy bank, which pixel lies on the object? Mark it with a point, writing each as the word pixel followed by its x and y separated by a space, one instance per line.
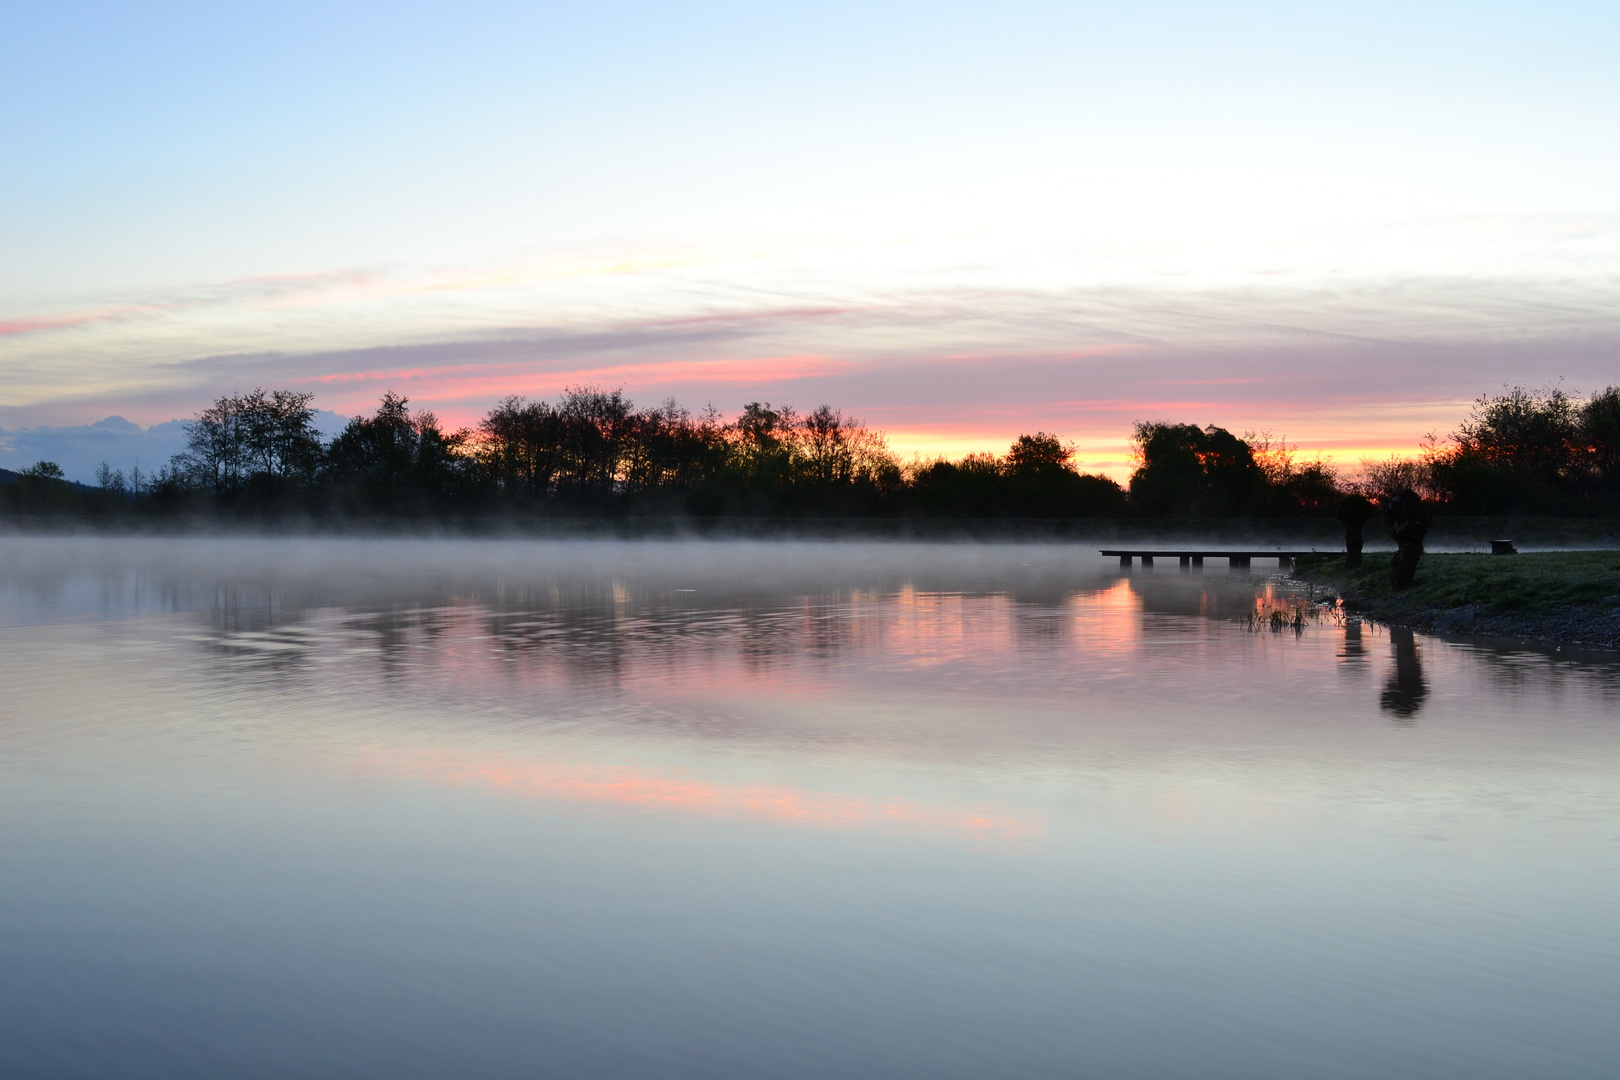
pixel 1560 596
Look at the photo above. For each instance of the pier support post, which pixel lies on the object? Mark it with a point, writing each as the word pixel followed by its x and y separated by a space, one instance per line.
pixel 1198 561
pixel 1285 562
pixel 1186 564
pixel 1125 562
pixel 1238 562
pixel 1147 562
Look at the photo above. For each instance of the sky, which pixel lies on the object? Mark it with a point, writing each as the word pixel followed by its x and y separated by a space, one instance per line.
pixel 1336 223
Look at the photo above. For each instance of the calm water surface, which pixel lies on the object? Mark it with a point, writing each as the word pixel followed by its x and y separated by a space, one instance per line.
pixel 752 810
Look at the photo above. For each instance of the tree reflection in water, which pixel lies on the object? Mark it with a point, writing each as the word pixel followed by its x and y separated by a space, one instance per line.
pixel 1406 689
pixel 1353 653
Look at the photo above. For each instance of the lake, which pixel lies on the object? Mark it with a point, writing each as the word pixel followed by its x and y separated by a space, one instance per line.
pixel 682 809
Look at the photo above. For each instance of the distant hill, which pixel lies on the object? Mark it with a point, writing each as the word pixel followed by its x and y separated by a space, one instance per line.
pixel 121 443
pixel 8 476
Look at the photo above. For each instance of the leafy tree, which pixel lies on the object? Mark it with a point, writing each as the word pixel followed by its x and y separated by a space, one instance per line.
pixel 395 461
pixel 264 438
pixel 595 425
pixel 110 480
pixel 762 447
pixel 1292 486
pixel 520 446
pixel 1038 453
pixel 826 456
pixel 667 450
pixel 1042 482
pixel 44 472
pixel 1036 479
pixel 42 488
pixel 1516 452
pixel 1188 471
pixel 1599 441
pixel 971 487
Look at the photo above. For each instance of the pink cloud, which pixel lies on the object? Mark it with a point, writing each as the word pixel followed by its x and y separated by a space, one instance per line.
pixel 64 322
pixel 449 385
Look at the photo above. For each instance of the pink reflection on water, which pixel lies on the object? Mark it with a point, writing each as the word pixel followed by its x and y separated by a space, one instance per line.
pixel 802 652
pixel 646 789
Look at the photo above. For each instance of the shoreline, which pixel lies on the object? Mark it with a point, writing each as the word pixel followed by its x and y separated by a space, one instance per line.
pixel 1455 533
pixel 1550 597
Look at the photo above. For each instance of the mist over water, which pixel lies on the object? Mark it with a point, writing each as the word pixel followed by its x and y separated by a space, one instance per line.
pixel 427 808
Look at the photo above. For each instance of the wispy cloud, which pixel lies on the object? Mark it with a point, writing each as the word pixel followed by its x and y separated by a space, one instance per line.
pixel 67 321
pixel 1335 364
pixel 472 381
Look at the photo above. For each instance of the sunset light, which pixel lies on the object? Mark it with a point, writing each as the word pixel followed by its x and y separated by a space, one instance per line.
pixel 1049 539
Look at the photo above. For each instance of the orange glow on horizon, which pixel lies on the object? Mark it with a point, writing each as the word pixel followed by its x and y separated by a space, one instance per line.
pixel 1342 431
pixel 1113 457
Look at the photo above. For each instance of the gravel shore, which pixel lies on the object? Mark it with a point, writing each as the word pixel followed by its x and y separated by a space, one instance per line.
pixel 1552 597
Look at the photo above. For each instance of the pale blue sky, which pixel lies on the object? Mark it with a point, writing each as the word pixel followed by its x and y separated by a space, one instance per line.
pixel 193 195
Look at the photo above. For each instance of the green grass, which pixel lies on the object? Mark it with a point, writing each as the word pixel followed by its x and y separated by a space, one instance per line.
pixel 1537 583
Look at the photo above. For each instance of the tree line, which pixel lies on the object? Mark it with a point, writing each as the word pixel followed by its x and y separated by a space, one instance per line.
pixel 593 452
pixel 1528 451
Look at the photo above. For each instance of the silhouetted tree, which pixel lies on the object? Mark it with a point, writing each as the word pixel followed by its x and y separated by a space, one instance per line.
pixel 1407 517
pixel 1042 481
pixel 1517 452
pixel 42 488
pixel 520 447
pixel 1036 479
pixel 1291 486
pixel 761 460
pixel 594 451
pixel 1353 512
pixel 395 461
pixel 971 487
pixel 594 426
pixel 263 438
pixel 111 480
pixel 1188 471
pixel 1599 437
pixel 46 472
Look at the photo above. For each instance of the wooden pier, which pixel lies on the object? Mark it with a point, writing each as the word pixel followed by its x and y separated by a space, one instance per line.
pixel 1189 559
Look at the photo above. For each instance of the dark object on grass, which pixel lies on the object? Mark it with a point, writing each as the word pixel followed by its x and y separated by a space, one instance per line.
pixel 1408 518
pixel 1503 547
pixel 1353 513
